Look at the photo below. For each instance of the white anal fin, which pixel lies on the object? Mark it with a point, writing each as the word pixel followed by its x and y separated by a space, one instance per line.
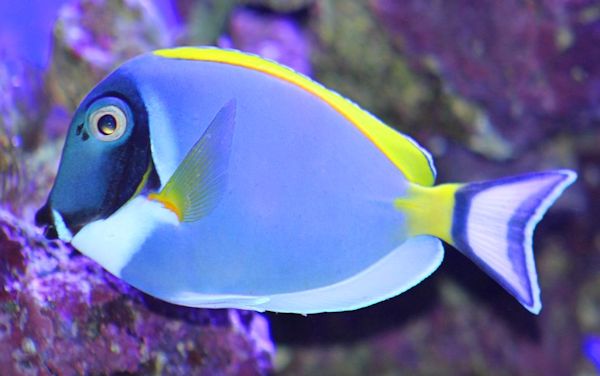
pixel 192 299
pixel 403 268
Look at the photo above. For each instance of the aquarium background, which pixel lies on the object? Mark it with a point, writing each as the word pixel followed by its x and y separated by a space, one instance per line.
pixel 491 88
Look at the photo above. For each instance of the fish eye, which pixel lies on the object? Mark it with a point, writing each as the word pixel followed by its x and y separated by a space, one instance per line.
pixel 108 123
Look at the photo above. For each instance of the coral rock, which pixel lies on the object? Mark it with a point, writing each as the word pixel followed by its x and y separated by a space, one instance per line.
pixel 61 314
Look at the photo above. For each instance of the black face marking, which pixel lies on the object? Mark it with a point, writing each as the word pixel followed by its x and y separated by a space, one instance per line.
pixel 43 216
pixel 115 171
pixel 153 183
pixel 129 161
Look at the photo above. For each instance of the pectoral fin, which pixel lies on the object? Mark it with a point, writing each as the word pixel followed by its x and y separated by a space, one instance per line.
pixel 199 182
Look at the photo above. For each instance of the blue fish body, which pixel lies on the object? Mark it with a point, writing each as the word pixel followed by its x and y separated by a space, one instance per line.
pixel 301 201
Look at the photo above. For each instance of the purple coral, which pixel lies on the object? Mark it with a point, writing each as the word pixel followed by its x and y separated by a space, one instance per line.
pixel 60 313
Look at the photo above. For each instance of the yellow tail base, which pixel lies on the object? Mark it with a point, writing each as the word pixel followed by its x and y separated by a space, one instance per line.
pixel 429 210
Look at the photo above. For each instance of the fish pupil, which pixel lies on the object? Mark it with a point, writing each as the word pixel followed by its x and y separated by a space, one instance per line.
pixel 107 124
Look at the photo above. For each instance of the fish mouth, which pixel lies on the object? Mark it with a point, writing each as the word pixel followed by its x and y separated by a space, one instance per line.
pixel 44 218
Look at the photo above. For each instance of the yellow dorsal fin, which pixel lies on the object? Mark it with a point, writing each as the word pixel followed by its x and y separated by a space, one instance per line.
pixel 414 162
pixel 199 182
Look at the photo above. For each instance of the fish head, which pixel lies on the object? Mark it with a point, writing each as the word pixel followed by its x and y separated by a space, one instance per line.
pixel 105 159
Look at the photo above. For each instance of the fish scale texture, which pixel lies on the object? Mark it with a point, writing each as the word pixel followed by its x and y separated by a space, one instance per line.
pixel 61 314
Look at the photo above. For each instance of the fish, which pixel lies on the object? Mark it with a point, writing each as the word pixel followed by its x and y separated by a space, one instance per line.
pixel 214 178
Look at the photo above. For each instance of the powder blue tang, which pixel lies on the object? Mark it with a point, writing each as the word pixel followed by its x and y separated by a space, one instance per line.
pixel 213 178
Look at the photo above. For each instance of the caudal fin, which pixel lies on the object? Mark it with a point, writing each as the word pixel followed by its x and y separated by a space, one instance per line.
pixel 493 224
pixel 490 222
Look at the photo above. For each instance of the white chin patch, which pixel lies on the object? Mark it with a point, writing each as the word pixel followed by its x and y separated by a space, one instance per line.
pixel 113 241
pixel 63 232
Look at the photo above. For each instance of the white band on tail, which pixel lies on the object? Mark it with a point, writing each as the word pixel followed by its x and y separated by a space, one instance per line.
pixel 494 223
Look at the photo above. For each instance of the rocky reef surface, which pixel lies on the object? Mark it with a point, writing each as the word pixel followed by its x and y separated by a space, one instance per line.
pixel 62 314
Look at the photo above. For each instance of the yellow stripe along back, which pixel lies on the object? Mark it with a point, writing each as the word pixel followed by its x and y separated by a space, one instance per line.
pixel 401 150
